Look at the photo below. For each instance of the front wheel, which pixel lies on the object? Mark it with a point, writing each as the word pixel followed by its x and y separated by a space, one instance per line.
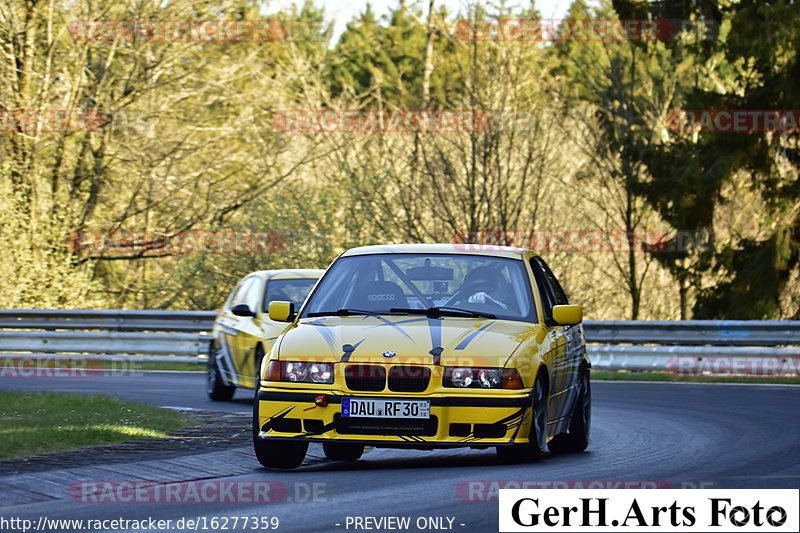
pixel 537 440
pixel 217 389
pixel 279 454
pixel 282 455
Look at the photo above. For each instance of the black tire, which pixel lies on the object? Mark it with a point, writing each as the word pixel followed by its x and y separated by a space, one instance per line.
pixel 276 454
pixel 537 445
pixel 217 389
pixel 577 437
pixel 259 356
pixel 343 451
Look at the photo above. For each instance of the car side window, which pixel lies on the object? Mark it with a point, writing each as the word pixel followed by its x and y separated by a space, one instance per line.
pixel 545 291
pixel 240 294
pixel 288 290
pixel 234 293
pixel 253 294
pixel 555 286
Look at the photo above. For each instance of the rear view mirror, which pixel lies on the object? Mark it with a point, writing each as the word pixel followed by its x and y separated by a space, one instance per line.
pixel 429 273
pixel 242 310
pixel 568 315
pixel 281 311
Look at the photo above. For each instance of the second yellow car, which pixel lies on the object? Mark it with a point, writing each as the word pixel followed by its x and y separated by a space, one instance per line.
pixel 243 331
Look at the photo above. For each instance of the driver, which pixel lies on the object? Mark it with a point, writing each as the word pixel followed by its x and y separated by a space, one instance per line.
pixel 483 285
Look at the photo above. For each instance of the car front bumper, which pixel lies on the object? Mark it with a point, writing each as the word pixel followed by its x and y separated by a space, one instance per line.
pixel 473 420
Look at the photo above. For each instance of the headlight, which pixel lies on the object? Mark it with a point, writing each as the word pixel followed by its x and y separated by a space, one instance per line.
pixel 294 371
pixel 461 377
pixel 320 372
pixel 490 378
pixel 300 372
pixel 482 378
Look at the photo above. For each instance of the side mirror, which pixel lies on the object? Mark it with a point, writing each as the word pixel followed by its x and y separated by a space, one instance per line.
pixel 242 310
pixel 281 311
pixel 567 315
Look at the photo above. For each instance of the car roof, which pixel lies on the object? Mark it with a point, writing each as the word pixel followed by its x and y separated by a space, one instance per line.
pixel 292 273
pixel 439 248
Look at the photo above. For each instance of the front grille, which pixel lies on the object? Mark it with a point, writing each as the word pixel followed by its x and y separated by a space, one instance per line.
pixel 370 378
pixel 409 378
pixel 386 426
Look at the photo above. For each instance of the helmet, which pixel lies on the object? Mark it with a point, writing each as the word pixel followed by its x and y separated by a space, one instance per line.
pixel 479 279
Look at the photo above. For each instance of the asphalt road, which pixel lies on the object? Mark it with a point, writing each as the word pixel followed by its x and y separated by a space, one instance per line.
pixel 659 434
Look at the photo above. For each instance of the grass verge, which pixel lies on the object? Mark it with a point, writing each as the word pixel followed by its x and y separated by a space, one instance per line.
pixel 32 423
pixel 667 376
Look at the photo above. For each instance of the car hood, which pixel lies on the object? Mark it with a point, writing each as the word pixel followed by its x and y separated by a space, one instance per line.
pixel 404 339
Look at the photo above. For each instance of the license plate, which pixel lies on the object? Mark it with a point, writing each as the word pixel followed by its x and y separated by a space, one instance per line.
pixel 368 408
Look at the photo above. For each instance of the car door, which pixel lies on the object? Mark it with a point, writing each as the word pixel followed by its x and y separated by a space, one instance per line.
pixel 248 332
pixel 558 366
pixel 574 343
pixel 228 334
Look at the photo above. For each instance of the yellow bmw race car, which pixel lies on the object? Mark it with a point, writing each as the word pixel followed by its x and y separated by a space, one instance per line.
pixel 426 346
pixel 243 332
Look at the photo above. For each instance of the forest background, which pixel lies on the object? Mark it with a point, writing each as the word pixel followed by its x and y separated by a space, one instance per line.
pixel 152 173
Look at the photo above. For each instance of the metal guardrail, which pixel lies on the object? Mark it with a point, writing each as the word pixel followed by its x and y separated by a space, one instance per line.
pixel 123 362
pixel 695 360
pixel 103 342
pixel 107 320
pixel 88 331
pixel 695 332
pixel 614 345
pixel 664 332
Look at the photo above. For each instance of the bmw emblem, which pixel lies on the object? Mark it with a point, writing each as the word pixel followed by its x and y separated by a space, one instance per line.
pixel 389 354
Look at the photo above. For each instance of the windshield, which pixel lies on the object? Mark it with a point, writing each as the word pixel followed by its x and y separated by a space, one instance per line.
pixel 288 290
pixel 401 283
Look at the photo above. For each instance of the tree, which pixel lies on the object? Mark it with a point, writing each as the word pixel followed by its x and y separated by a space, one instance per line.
pixel 761 269
pixel 181 143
